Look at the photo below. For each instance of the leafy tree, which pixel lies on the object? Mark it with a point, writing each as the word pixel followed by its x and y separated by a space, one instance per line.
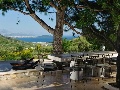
pixel 81 44
pixel 101 21
pixel 113 8
pixel 63 9
pixel 19 48
pixel 66 45
pixel 26 53
pixel 47 49
pixel 76 44
pixel 38 48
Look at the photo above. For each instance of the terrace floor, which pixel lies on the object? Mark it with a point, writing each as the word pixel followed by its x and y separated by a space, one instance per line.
pixel 56 80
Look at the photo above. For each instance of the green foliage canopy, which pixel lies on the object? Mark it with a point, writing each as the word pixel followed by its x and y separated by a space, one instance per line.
pixel 101 24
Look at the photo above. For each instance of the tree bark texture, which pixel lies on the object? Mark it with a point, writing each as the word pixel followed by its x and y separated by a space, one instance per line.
pixel 58 33
pixel 118 66
pixel 118 70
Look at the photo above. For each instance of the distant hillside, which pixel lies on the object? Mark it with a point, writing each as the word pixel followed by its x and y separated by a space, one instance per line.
pixel 8 33
pixel 10 44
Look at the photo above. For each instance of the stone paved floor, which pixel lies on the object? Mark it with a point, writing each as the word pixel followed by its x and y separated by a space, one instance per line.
pixel 53 81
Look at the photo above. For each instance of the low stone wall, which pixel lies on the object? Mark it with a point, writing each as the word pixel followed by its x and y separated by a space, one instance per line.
pixel 19 74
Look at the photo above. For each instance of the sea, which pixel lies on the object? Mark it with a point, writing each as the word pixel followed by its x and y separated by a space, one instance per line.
pixel 48 39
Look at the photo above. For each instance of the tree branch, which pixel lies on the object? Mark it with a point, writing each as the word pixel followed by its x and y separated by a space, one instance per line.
pixel 36 18
pixel 91 5
pixel 83 7
pixel 28 6
pixel 118 36
pixel 71 27
pixel 42 23
pixel 18 10
pixel 53 5
pixel 101 35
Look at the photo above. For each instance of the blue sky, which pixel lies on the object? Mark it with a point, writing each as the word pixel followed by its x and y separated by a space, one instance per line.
pixel 27 25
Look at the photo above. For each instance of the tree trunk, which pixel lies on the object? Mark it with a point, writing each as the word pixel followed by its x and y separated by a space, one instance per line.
pixel 118 57
pixel 118 70
pixel 58 33
pixel 57 42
